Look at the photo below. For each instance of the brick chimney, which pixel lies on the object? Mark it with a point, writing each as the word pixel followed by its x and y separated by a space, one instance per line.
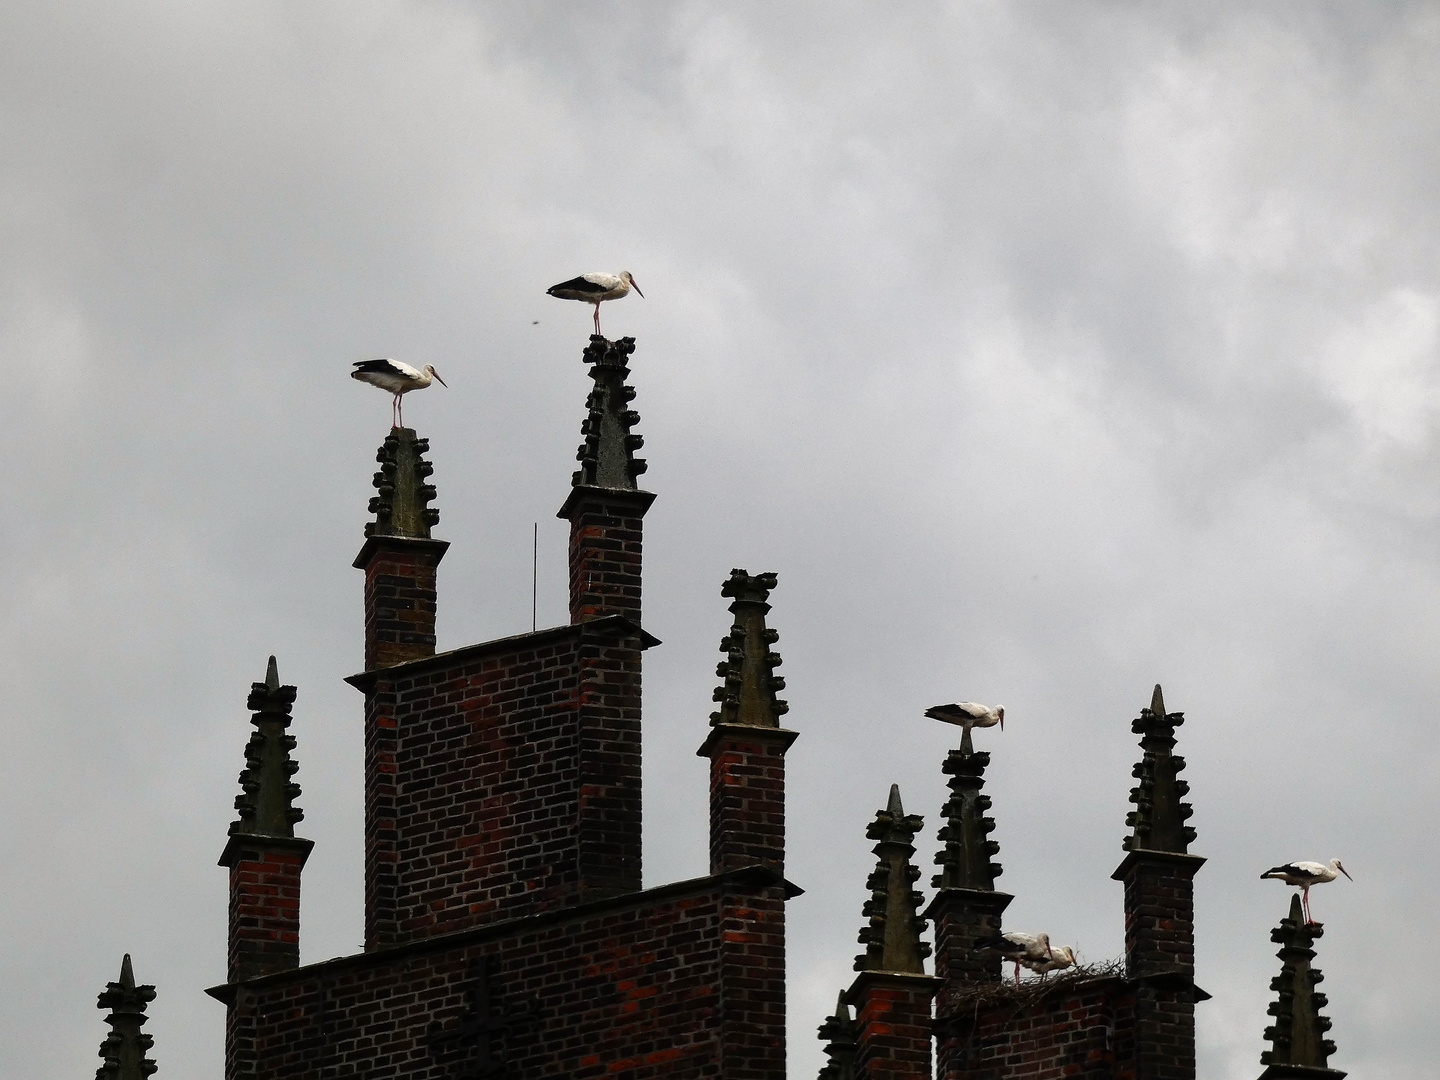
pixel 123 1051
pixel 605 507
pixel 747 745
pixel 1158 874
pixel 399 558
pixel 1299 1049
pixel 264 855
pixel 892 993
pixel 966 907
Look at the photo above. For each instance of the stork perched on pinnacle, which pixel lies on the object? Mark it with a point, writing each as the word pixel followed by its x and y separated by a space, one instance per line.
pixel 397 378
pixel 1306 874
pixel 595 288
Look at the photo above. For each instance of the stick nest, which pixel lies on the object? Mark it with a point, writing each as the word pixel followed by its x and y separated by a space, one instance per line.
pixel 982 997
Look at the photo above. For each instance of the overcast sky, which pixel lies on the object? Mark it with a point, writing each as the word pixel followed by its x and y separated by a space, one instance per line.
pixel 1045 351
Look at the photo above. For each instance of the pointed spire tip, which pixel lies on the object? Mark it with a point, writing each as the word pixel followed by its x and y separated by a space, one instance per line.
pixel 127 973
pixel 895 806
pixel 272 675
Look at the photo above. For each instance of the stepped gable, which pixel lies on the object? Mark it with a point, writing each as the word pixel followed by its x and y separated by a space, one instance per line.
pixel 1160 813
pixel 838 1035
pixel 124 1050
pixel 747 692
pixel 267 799
pixel 1298 1046
pixel 506 928
pixel 892 934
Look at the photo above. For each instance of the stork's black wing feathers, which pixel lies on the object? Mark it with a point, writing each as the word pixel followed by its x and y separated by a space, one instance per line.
pixel 382 366
pixel 999 943
pixel 578 284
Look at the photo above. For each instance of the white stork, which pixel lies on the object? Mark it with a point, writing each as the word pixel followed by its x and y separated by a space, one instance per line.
pixel 1060 958
pixel 968 714
pixel 1019 948
pixel 1305 874
pixel 397 378
pixel 595 288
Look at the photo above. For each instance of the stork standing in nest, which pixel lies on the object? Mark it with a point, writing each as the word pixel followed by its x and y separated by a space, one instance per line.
pixel 1019 948
pixel 1060 958
pixel 595 288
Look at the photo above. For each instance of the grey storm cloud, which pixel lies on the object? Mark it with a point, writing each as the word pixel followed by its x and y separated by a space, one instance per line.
pixel 1044 351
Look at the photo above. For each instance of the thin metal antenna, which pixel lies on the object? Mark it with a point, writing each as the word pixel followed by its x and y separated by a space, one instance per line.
pixel 534 570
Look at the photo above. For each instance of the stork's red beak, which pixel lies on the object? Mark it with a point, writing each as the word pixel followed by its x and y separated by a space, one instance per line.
pixel 1345 872
pixel 636 288
pixel 441 381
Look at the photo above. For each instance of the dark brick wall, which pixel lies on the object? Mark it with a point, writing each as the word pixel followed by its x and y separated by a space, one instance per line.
pixel 893 1026
pixel 264 930
pixel 626 989
pixel 747 796
pixel 1081 1030
pixel 399 598
pixel 606 542
pixel 752 981
pixel 502 777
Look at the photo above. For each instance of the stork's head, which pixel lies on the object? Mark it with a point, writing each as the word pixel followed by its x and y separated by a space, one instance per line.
pixel 430 370
pixel 1336 864
pixel 625 276
pixel 1044 939
pixel 1000 712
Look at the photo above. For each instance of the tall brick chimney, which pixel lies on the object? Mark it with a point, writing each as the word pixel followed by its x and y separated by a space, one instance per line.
pixel 123 1053
pixel 1158 874
pixel 966 906
pixel 892 993
pixel 746 745
pixel 263 854
pixel 606 507
pixel 1299 1049
pixel 399 558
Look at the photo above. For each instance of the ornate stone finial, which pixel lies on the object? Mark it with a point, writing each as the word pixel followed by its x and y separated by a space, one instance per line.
pixel 965 861
pixel 1160 811
pixel 747 696
pixel 838 1034
pixel 402 507
pixel 266 801
pixel 607 456
pixel 123 1051
pixel 1297 1037
pixel 892 936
